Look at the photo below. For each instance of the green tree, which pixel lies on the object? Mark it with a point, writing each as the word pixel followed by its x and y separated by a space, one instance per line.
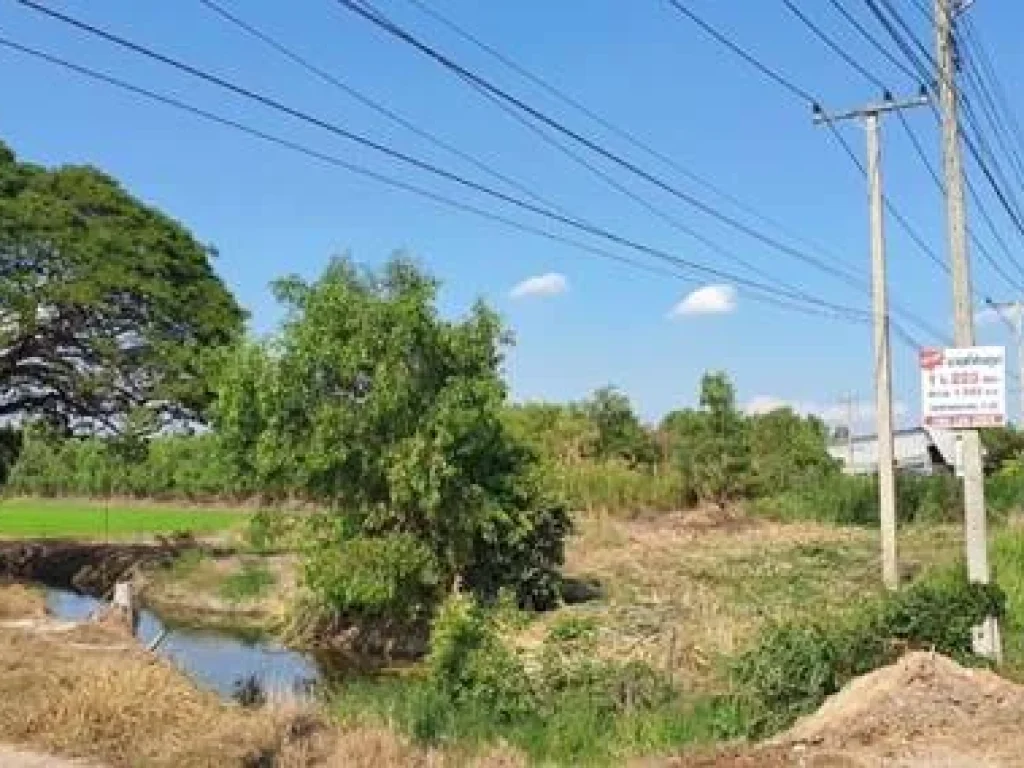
pixel 712 445
pixel 787 450
pixel 620 435
pixel 370 403
pixel 106 304
pixel 1002 445
pixel 562 434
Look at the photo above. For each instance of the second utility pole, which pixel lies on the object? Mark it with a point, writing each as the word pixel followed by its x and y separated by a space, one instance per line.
pixel 986 636
pixel 880 303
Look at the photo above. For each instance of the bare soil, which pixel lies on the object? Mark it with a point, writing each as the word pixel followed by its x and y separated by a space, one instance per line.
pixel 924 711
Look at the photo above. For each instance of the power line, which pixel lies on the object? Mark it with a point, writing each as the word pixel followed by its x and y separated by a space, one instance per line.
pixel 368 12
pixel 833 45
pixel 640 200
pixel 337 162
pixel 802 93
pixel 875 43
pixel 322 74
pixel 975 240
pixel 584 226
pixel 927 67
pixel 767 71
pixel 367 101
pixel 848 276
pixel 613 128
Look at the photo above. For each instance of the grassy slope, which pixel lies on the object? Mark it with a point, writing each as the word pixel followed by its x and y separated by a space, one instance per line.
pixel 684 594
pixel 36 518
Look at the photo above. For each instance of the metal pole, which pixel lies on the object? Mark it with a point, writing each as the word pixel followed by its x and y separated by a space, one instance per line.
pixel 986 635
pixel 883 365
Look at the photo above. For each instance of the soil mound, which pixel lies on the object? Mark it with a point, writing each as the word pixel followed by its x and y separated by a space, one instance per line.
pixel 925 709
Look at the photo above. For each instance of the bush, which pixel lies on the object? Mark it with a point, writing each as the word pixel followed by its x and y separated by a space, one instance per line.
pixel 389 580
pixel 853 500
pixel 794 667
pixel 613 486
pixel 471 668
pixel 1004 489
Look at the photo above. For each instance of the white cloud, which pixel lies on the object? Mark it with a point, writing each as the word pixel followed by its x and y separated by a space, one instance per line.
pixel 550 284
pixel 832 413
pixel 709 300
pixel 991 315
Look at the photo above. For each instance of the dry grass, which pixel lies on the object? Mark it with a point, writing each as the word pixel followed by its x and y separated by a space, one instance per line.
pixel 18 602
pixel 686 589
pixel 192 590
pixel 87 694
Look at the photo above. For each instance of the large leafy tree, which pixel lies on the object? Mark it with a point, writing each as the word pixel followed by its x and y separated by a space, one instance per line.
pixel 373 405
pixel 107 306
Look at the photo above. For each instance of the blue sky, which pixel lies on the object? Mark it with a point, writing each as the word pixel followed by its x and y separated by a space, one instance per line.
pixel 640 64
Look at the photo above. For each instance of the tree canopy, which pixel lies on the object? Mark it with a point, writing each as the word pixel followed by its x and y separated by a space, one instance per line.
pixel 107 305
pixel 371 404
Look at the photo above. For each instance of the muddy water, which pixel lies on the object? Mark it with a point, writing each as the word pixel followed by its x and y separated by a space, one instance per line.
pixel 216 660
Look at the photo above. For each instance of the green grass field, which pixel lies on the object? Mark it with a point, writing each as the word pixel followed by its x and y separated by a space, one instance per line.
pixel 37 518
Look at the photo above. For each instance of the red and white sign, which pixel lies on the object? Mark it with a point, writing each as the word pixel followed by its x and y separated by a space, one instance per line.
pixel 963 388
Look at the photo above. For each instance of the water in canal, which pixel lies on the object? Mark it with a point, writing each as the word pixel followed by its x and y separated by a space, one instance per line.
pixel 216 660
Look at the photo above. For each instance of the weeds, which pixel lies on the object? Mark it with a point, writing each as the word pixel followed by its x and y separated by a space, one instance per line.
pixel 250 582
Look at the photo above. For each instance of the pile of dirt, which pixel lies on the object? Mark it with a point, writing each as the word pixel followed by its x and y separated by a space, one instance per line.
pixel 925 704
pixel 925 710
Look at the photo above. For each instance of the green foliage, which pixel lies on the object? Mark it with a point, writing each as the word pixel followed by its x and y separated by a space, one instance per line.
pixel 1002 445
pixel 251 581
pixel 619 433
pixel 711 446
pixel 181 468
pixel 795 666
pixel 371 405
pixel 615 487
pixel 108 304
pixel 1004 489
pixel 853 500
pixel 471 668
pixel 788 451
pixel 391 579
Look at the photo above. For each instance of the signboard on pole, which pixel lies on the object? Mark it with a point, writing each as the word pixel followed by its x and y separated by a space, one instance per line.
pixel 963 388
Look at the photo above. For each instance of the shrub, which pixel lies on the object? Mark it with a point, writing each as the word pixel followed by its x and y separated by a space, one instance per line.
pixel 794 667
pixel 390 580
pixel 612 486
pixel 470 666
pixel 250 582
pixel 1004 490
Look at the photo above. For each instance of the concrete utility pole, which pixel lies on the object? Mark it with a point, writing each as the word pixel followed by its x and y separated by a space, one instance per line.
pixel 1017 327
pixel 880 303
pixel 986 636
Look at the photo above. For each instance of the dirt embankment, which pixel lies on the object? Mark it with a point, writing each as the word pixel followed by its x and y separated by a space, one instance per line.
pixel 88 567
pixel 924 711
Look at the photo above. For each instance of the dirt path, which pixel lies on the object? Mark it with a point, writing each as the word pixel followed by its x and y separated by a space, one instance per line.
pixel 13 758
